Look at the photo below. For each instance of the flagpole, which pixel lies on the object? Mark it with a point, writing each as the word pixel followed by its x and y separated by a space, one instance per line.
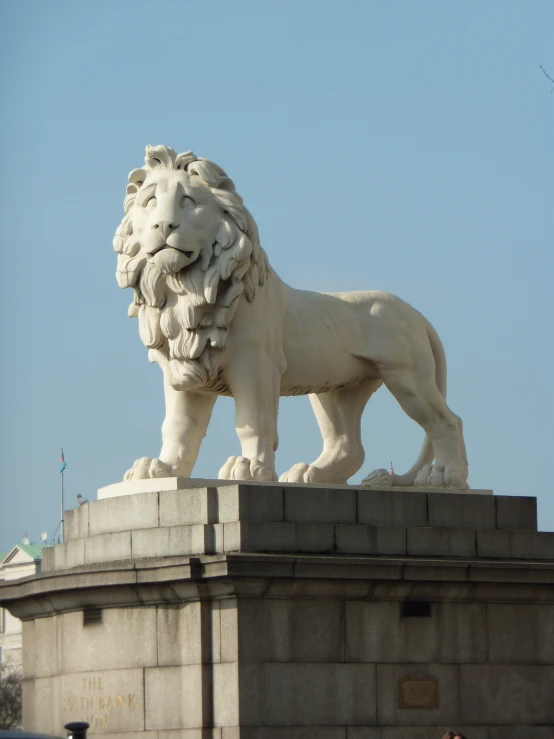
pixel 61 503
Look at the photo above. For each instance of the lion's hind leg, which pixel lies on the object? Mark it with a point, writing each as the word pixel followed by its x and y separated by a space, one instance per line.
pixel 420 398
pixel 338 414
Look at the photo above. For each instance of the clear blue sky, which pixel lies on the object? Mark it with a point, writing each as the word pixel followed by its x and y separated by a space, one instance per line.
pixel 400 146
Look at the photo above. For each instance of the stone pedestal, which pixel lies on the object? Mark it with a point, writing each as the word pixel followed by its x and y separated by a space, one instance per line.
pixel 235 611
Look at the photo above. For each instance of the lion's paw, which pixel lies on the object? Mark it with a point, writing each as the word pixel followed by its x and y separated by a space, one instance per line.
pixel 146 468
pixel 377 479
pixel 303 472
pixel 440 476
pixel 241 468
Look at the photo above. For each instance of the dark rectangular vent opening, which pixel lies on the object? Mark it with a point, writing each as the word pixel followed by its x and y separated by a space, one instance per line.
pixel 416 609
pixel 92 616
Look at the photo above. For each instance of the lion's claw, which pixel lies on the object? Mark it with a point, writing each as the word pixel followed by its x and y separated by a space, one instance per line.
pixel 146 468
pixel 242 468
pixel 378 479
pixel 303 472
pixel 440 476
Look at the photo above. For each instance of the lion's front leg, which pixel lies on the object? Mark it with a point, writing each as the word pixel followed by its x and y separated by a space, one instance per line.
pixel 254 381
pixel 186 420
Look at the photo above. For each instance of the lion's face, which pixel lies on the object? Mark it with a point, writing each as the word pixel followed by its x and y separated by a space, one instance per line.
pixel 189 249
pixel 175 219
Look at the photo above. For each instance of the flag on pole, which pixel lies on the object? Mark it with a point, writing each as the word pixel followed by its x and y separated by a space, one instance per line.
pixel 63 463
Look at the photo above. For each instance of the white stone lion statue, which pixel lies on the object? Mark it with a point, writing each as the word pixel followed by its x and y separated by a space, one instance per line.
pixel 219 321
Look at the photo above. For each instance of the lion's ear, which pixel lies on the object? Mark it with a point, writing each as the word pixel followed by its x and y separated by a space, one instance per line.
pixel 137 177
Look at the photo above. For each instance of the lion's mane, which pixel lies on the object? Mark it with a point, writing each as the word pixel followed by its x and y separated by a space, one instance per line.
pixel 185 314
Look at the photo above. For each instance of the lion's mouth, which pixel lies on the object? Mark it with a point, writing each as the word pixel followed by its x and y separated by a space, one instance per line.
pixel 170 260
pixel 188 253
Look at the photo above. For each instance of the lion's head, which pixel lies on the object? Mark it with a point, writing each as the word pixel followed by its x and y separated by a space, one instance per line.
pixel 189 248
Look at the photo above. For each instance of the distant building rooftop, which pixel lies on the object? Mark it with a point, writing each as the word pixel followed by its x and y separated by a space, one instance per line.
pixel 33 550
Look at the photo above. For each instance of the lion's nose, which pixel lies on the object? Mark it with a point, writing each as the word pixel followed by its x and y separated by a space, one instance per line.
pixel 165 227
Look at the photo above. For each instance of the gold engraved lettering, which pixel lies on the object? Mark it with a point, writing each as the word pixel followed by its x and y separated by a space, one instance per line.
pixel 97 707
pixel 99 721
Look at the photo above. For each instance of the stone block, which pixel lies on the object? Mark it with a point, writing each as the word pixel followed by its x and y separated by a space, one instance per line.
pixel 446 571
pixel 506 694
pixel 47 658
pixel 384 508
pixel 180 633
pixel 415 732
pixel 388 708
pixel 64 556
pixel 126 638
pixel 443 542
pixel 287 732
pixel 364 539
pixel 263 537
pixel 518 576
pixel 251 694
pixel 54 558
pixel 278 537
pixel 110 700
pixel 290 630
pixel 48 559
pixel 169 541
pixel 108 547
pixel 213 538
pixel 75 553
pixel 516 513
pixel 515 544
pixel 357 571
pixel 320 505
pixel 187 507
pixel 28 654
pixel 42 705
pixel 521 732
pixel 250 503
pixel 314 537
pixel 75 525
pixel 461 510
pixel 123 514
pixel 174 696
pixel 229 631
pixel 215 634
pixel 521 633
pixel 226 694
pixel 377 632
pixel 319 694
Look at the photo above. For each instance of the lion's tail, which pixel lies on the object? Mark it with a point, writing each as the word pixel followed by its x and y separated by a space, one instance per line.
pixel 426 455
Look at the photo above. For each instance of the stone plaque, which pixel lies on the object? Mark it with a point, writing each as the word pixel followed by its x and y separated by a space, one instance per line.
pixel 418 692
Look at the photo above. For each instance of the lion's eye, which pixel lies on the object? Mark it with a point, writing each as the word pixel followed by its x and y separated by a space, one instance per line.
pixel 151 202
pixel 187 202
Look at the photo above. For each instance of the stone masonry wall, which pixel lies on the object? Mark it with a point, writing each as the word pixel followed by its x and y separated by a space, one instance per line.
pixel 273 612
